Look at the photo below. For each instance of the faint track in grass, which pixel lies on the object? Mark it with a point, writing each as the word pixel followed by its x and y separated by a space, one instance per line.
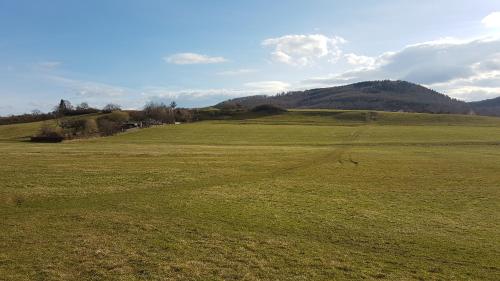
pixel 340 154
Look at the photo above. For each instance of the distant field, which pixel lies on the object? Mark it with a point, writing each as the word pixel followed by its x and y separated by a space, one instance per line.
pixel 307 195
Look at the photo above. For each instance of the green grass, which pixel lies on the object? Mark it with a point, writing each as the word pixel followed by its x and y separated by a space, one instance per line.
pixel 308 195
pixel 23 131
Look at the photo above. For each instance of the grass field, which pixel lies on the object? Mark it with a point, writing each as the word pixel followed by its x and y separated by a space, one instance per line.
pixel 307 195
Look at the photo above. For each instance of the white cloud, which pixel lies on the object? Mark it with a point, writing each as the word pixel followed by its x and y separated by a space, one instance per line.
pixel 302 50
pixel 360 61
pixel 465 69
pixel 268 87
pixel 484 84
pixel 237 72
pixel 472 93
pixel 193 58
pixel 492 20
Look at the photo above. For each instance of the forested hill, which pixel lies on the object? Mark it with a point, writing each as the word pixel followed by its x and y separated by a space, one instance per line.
pixel 372 95
pixel 487 107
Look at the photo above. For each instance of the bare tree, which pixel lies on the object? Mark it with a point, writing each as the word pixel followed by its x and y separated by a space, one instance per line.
pixel 159 112
pixel 82 106
pixel 110 107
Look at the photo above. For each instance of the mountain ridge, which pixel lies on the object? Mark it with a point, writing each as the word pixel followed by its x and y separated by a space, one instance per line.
pixel 487 107
pixel 384 95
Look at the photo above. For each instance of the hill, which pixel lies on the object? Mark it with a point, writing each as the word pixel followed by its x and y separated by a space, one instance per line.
pixel 371 95
pixel 487 107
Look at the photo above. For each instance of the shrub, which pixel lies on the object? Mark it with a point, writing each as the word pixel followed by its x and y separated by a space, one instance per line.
pixel 230 108
pixel 268 108
pixel 118 116
pixel 73 127
pixel 112 123
pixel 48 133
pixel 108 127
pixel 183 115
pixel 52 138
pixel 137 115
pixel 91 127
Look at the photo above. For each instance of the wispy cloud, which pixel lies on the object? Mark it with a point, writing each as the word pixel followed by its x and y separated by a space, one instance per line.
pixel 193 58
pixel 206 97
pixel 48 64
pixel 6 108
pixel 99 94
pixel 236 72
pixel 89 88
pixel 251 88
pixel 190 93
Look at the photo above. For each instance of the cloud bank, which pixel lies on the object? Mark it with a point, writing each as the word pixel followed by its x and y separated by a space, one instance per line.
pixel 466 69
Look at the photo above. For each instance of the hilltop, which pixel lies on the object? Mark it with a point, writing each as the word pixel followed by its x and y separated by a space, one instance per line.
pixel 371 95
pixel 487 107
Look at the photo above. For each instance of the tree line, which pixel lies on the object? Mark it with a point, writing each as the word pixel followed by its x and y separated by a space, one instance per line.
pixel 80 122
pixel 64 108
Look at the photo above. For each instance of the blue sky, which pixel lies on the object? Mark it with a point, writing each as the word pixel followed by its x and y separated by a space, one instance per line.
pixel 201 52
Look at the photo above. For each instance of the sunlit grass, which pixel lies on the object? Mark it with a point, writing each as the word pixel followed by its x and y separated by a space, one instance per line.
pixel 276 198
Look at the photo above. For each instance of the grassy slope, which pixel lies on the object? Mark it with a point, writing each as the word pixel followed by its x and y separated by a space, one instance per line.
pixel 23 131
pixel 17 132
pixel 315 195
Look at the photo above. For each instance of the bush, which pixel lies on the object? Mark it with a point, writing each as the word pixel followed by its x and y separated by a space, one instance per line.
pixel 108 127
pixel 112 123
pixel 91 127
pixel 73 127
pixel 230 108
pixel 48 133
pixel 268 108
pixel 52 138
pixel 183 115
pixel 118 116
pixel 137 115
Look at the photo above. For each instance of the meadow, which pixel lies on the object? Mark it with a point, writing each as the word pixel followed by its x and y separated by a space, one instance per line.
pixel 305 195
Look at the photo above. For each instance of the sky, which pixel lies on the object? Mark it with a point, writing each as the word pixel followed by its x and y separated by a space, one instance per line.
pixel 198 53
